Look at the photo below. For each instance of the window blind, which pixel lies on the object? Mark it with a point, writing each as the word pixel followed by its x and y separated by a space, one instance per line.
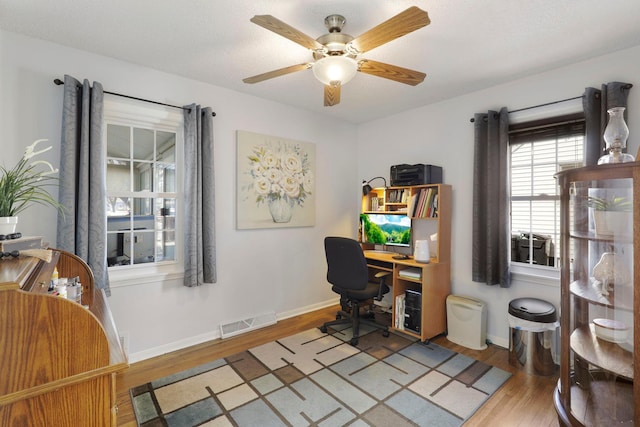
pixel 538 151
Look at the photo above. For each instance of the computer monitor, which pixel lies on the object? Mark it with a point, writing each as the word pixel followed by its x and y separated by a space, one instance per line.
pixel 386 229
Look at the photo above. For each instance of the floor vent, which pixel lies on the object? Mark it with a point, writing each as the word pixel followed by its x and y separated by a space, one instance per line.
pixel 229 329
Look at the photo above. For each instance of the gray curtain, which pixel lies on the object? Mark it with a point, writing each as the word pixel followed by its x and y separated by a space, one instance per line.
pixel 595 103
pixel 83 224
pixel 199 190
pixel 491 207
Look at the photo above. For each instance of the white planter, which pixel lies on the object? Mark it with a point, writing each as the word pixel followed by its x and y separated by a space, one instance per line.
pixel 8 224
pixel 612 223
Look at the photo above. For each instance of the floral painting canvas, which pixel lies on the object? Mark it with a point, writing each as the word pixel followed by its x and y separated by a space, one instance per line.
pixel 276 182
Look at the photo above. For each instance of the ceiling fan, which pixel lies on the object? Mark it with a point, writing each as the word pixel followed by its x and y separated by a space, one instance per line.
pixel 336 54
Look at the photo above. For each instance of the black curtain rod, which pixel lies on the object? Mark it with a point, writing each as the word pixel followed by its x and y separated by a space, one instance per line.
pixel 538 106
pixel 213 113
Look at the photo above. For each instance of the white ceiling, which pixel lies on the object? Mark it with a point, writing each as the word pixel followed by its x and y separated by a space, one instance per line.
pixel 469 45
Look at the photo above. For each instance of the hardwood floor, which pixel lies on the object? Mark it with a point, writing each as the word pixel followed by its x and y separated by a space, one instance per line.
pixel 524 400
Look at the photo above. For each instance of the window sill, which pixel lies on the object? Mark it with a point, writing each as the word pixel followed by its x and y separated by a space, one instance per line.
pixel 538 275
pixel 144 274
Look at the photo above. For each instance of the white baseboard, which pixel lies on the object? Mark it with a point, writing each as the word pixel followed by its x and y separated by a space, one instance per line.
pixel 173 346
pixel 307 309
pixel 215 334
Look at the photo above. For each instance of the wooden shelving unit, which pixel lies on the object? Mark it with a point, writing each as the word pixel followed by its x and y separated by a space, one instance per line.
pixel 597 385
pixel 434 282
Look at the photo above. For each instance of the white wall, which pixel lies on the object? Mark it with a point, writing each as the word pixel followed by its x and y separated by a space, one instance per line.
pixel 441 134
pixel 280 270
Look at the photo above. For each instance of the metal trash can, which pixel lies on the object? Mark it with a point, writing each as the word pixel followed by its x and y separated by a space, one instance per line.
pixel 533 324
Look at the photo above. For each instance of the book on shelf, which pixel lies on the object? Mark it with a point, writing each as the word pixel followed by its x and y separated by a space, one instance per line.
pixel 398 196
pixel 431 204
pixel 425 203
pixel 412 204
pixel 398 320
pixel 434 212
pixel 411 272
pixel 420 203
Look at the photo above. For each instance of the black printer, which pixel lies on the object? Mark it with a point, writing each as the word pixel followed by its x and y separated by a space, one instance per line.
pixel 404 175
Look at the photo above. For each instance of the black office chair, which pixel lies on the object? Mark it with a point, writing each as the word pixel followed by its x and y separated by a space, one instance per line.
pixel 348 273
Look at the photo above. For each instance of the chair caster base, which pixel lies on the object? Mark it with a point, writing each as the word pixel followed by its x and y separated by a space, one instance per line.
pixel 385 333
pixel 323 329
pixel 353 341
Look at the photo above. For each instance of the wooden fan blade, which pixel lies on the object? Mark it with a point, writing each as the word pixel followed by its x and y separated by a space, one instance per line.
pixel 391 72
pixel 276 73
pixel 285 30
pixel 332 94
pixel 398 26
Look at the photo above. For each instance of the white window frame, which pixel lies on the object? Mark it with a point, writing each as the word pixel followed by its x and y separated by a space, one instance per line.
pixel 537 274
pixel 132 113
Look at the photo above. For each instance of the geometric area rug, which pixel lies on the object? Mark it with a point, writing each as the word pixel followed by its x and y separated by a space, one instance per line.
pixel 317 379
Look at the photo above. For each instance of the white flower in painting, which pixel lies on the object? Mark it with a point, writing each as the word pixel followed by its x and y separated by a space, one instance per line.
pixel 280 171
pixel 273 175
pixel 270 160
pixel 291 163
pixel 257 169
pixel 307 181
pixel 262 186
pixel 276 190
pixel 291 187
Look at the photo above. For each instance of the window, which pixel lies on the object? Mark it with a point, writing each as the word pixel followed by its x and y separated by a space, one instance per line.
pixel 143 146
pixel 537 151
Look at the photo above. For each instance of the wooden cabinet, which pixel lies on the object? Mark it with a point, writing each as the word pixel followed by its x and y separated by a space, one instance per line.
pixel 433 286
pixel 600 296
pixel 58 358
pixel 433 282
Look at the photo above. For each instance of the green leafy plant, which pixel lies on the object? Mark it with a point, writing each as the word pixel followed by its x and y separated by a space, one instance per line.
pixel 619 204
pixel 25 183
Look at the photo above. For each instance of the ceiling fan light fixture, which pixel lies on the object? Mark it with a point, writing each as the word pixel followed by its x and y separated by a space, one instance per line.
pixel 335 68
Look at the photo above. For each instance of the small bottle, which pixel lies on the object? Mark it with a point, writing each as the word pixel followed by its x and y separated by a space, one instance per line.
pixel 71 291
pixel 54 276
pixel 78 290
pixel 61 288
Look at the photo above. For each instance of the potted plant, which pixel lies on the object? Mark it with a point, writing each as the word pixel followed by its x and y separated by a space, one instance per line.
pixel 611 216
pixel 23 185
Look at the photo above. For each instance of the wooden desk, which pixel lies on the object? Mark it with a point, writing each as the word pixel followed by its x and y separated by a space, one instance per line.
pixel 58 360
pixel 434 285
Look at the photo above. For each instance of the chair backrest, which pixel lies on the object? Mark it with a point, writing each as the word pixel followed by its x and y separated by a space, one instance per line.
pixel 346 264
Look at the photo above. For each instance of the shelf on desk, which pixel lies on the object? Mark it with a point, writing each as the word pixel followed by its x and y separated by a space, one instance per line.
pixel 410 273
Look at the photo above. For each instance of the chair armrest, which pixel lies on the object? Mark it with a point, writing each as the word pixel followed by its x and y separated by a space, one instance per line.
pixel 382 275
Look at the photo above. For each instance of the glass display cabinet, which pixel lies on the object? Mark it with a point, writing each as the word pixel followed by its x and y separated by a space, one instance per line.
pixel 600 296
